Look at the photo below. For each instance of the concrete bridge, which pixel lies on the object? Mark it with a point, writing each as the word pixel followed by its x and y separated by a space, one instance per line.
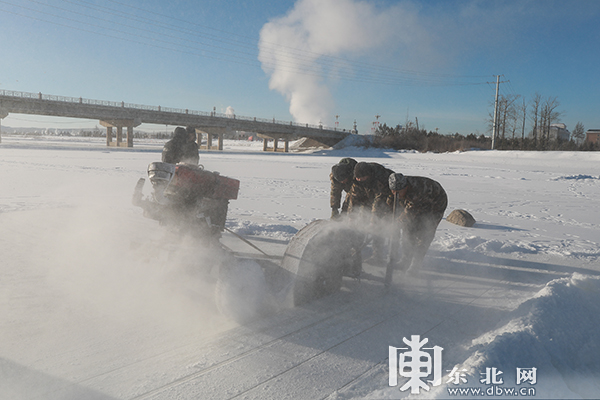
pixel 121 115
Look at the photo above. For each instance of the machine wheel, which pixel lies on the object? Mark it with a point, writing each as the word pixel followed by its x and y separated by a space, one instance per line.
pixel 316 259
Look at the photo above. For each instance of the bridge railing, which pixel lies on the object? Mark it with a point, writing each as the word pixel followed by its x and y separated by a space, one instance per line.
pixel 80 100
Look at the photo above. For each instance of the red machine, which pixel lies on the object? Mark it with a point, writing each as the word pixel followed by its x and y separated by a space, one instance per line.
pixel 187 197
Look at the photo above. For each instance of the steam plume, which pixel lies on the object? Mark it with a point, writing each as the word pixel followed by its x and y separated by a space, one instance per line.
pixel 294 50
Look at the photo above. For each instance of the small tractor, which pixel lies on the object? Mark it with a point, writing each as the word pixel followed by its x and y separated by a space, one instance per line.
pixel 193 202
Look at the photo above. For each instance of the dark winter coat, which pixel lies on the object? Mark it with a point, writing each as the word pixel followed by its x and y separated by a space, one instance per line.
pixel 419 214
pixel 337 187
pixel 180 149
pixel 424 196
pixel 373 195
pixel 335 195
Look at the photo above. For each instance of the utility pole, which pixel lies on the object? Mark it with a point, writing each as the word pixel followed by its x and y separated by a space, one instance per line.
pixel 495 123
pixel 375 124
pixel 495 127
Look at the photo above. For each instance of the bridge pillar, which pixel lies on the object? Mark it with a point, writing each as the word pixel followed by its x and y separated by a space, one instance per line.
pixel 108 135
pixel 119 135
pixel 3 114
pixel 119 124
pixel 211 132
pixel 130 135
pixel 276 139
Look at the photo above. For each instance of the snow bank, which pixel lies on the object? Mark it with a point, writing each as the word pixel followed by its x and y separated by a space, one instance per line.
pixel 354 141
pixel 556 332
pixel 463 247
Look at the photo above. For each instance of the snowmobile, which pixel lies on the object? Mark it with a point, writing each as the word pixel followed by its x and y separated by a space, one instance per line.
pixel 191 201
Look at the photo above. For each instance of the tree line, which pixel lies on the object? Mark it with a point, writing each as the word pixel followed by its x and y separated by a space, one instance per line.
pixel 512 133
pixel 410 137
pixel 542 113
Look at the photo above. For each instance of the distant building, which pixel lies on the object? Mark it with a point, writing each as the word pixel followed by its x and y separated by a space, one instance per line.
pixel 559 132
pixel 592 136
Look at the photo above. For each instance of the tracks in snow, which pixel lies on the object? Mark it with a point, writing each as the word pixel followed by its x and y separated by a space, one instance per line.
pixel 327 346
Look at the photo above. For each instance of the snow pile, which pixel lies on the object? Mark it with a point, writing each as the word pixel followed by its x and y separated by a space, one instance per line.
pixel 555 332
pixel 466 246
pixel 354 141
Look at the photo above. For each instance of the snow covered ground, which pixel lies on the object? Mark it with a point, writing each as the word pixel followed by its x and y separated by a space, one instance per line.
pixel 90 308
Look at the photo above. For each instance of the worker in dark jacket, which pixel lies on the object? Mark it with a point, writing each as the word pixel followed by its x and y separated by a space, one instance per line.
pixel 370 192
pixel 341 178
pixel 420 206
pixel 371 199
pixel 182 148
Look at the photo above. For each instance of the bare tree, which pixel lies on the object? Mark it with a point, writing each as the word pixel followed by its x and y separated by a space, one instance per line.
pixel 578 132
pixel 523 109
pixel 506 111
pixel 536 103
pixel 548 116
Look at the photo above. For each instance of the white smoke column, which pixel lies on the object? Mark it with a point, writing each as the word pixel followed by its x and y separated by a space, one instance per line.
pixel 291 47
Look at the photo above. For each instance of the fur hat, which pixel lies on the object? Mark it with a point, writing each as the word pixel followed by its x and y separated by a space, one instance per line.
pixel 342 171
pixel 363 169
pixel 348 160
pixel 397 181
pixel 180 133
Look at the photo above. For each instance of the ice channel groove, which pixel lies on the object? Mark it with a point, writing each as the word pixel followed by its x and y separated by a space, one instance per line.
pixel 208 369
pixel 372 302
pixel 385 360
pixel 246 353
pixel 383 320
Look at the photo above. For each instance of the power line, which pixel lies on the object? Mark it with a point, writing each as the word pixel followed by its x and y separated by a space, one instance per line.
pixel 287 59
pixel 302 52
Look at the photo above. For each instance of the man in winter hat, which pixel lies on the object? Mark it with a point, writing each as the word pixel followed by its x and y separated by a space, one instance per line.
pixel 370 191
pixel 371 199
pixel 341 178
pixel 182 148
pixel 420 203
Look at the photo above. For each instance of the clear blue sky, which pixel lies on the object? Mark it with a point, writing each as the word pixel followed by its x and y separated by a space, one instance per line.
pixel 307 60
